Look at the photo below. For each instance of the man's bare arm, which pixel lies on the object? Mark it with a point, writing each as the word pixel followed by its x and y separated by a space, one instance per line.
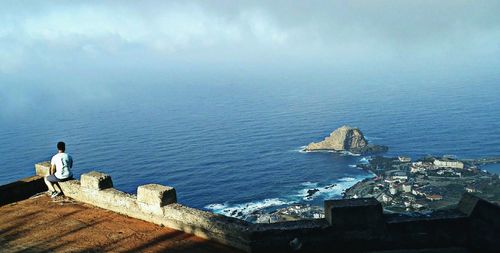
pixel 52 169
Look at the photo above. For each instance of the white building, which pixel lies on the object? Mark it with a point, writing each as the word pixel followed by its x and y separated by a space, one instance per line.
pixel 415 169
pixel 393 190
pixel 406 187
pixel 417 192
pixel 449 164
pixel 385 198
pixel 417 205
pixel 399 176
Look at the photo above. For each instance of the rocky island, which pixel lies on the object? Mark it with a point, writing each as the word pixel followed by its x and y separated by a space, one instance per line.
pixel 348 139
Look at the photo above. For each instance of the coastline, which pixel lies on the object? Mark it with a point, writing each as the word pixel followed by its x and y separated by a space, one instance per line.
pixel 428 184
pixel 430 195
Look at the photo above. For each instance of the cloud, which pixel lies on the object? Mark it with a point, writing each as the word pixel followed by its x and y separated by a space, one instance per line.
pixel 91 28
pixel 192 28
pixel 97 46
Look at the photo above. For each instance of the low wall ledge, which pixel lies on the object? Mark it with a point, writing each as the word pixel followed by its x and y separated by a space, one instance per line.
pixel 355 223
pixel 42 168
pixel 354 213
pixel 156 195
pixel 96 181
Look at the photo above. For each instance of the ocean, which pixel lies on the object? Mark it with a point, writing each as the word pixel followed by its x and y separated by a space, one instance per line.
pixel 236 147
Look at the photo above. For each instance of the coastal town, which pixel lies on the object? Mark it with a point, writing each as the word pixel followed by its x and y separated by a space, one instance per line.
pixel 401 184
pixel 405 186
pixel 430 183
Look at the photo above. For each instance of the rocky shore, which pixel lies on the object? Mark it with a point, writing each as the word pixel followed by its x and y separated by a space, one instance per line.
pixel 290 213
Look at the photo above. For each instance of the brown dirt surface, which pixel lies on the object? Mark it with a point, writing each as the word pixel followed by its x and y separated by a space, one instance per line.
pixel 40 224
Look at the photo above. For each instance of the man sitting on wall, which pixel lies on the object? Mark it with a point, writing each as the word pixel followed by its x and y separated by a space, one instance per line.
pixel 60 170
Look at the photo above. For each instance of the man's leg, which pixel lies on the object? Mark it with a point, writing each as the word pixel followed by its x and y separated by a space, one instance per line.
pixel 57 185
pixel 49 184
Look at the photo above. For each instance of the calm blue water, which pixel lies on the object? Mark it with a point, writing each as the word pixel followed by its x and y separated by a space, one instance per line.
pixel 224 146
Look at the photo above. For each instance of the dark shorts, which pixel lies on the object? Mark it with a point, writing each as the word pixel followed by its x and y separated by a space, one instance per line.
pixel 53 179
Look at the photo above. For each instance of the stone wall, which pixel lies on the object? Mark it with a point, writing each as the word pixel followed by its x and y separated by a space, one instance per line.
pixel 21 189
pixel 157 204
pixel 350 225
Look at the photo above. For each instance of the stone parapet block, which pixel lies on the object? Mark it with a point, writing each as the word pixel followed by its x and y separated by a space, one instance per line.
pixel 468 203
pixel 42 169
pixel 21 189
pixel 479 208
pixel 152 197
pixel 70 187
pixel 484 222
pixel 354 213
pixel 96 181
pixel 156 195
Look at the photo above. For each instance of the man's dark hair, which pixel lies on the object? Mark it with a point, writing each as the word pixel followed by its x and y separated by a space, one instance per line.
pixel 61 146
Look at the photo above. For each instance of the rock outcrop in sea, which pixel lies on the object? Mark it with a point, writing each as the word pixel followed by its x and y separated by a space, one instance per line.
pixel 346 138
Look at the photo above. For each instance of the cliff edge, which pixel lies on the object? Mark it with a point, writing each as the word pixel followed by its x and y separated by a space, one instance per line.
pixel 346 138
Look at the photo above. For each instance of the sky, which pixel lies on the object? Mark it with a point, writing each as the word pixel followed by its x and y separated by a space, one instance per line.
pixel 95 49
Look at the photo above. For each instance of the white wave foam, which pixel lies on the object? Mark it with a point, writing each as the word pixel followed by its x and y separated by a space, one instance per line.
pixel 320 151
pixel 245 209
pixel 370 138
pixel 342 153
pixel 347 179
pixel 322 192
pixel 301 149
pixel 349 153
pixel 216 206
pixel 330 191
pixel 365 160
pixel 249 209
pixel 353 165
pixel 309 184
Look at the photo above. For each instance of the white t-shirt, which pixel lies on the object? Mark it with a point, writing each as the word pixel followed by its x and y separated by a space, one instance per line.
pixel 63 163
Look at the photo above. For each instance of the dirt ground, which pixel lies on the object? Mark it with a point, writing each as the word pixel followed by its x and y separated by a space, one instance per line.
pixel 40 224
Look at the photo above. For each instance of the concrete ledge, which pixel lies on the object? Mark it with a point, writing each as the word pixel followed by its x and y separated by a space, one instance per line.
pixel 467 203
pixel 42 169
pixel 302 236
pixel 488 212
pixel 484 222
pixel 226 230
pixel 96 181
pixel 354 213
pixel 21 189
pixel 156 203
pixel 354 224
pixel 152 197
pixel 479 208
pixel 350 225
